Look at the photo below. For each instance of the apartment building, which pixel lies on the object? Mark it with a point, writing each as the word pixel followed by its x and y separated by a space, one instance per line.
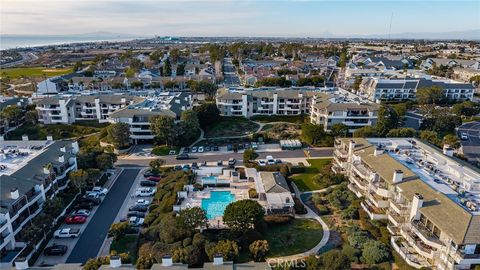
pixel 406 89
pixel 430 200
pixel 30 173
pixel 328 110
pixel 266 101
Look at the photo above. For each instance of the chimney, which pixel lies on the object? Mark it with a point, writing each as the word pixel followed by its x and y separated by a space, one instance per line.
pixel 417 203
pixel 14 193
pixel 46 169
pixel 123 100
pixel 397 176
pixel 61 158
pixel 49 138
pixel 218 259
pixel 447 150
pixel 167 261
pixel 75 147
pixel 21 263
pixel 115 261
pixel 63 149
pixel 25 138
pixel 377 152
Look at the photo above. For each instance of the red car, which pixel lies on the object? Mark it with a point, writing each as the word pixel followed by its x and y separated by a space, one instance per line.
pixel 154 178
pixel 75 219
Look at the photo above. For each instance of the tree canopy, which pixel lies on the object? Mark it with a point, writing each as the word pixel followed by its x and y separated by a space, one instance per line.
pixel 243 215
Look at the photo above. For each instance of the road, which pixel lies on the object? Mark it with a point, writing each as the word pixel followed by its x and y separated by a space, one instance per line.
pixel 211 157
pixel 93 236
pixel 229 73
pixel 471 147
pixel 26 57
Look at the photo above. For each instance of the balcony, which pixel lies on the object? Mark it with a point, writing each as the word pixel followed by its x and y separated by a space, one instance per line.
pixel 361 170
pixel 426 235
pixel 362 184
pixel 398 207
pixel 340 153
pixel 355 190
pixel 417 244
pixel 403 248
pixel 395 218
pixel 373 212
pixel 378 201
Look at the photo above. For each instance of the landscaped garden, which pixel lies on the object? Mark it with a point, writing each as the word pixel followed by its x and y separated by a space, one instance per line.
pixel 297 119
pixel 230 126
pixel 30 72
pixel 58 131
pixel 315 175
pixel 294 237
pixel 163 150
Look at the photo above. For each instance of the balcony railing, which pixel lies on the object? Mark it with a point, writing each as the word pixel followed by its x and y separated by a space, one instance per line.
pixel 425 232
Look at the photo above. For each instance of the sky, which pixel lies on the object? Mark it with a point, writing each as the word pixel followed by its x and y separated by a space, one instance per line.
pixel 294 18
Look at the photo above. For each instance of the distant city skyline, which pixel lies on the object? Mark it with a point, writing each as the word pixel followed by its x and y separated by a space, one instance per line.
pixel 235 18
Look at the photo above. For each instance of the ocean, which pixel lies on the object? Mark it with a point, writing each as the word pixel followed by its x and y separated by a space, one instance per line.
pixel 18 41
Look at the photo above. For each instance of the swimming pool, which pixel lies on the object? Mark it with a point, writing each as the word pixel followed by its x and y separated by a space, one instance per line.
pixel 216 204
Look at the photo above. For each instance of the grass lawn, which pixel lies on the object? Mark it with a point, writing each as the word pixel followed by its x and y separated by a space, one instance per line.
pixel 231 126
pixel 127 244
pixel 305 181
pixel 58 131
pixel 15 73
pixel 163 150
pixel 295 237
pixel 299 119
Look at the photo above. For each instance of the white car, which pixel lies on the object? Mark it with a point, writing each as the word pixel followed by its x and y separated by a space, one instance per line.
pixel 200 149
pixel 81 212
pixel 136 221
pixel 464 136
pixel 194 149
pixel 145 192
pixel 143 202
pixel 100 190
pixel 270 160
pixel 254 146
pixel 262 162
pixel 67 233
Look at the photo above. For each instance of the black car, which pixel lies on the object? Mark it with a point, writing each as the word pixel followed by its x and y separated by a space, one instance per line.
pixel 194 165
pixel 94 201
pixel 148 183
pixel 55 250
pixel 136 214
pixel 208 148
pixel 149 173
pixel 182 156
pixel 177 168
pixel 138 208
pixel 215 148
pixel 84 205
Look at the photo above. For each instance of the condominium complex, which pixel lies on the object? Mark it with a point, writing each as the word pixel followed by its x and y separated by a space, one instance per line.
pixel 406 89
pixel 30 173
pixel 430 199
pixel 328 110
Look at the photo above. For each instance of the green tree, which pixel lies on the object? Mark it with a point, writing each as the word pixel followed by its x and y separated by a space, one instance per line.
pixel 430 95
pixel 452 141
pixel 189 125
pixel 78 178
pixel 12 114
pixel 375 252
pixel 32 234
pixel 387 119
pixel 167 68
pixel 249 155
pixel 164 128
pixel 119 133
pixel 229 250
pixel 430 136
pixel 402 132
pixel 365 132
pixel 207 113
pixel 192 219
pixel 244 215
pixel 118 230
pixel 357 83
pixel 104 161
pixel 259 250
pixel 339 130
pixel 312 134
pixel 32 117
pixel 145 262
pixel 137 85
pixel 180 69
pixel 156 164
pixel 170 84
pixel 335 260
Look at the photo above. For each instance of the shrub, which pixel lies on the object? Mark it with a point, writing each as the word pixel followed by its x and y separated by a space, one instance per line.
pixel 228 248
pixel 375 252
pixel 252 193
pixel 145 262
pixel 322 210
pixel 300 168
pixel 277 219
pixel 299 207
pixel 118 230
pixel 350 213
pixel 259 250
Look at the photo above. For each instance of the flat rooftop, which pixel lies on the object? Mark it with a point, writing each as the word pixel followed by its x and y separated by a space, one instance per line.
pixel 14 155
pixel 445 175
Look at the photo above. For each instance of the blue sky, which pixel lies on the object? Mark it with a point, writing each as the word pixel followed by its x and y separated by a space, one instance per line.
pixel 236 18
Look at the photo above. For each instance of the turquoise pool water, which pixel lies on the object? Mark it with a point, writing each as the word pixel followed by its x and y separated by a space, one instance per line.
pixel 216 204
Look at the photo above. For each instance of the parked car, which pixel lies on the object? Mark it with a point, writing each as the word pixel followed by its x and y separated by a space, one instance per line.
pixel 154 178
pixel 67 233
pixel 75 219
pixel 270 160
pixel 183 156
pixel 207 148
pixel 177 168
pixel 55 250
pixel 186 150
pixel 215 148
pixel 143 202
pixel 240 146
pixel 194 165
pixel 138 208
pixel 262 162
pixel 136 214
pixel 232 161
pixel 229 147
pixel 148 183
pixel 84 205
pixel 246 145
pixel 100 190
pixel 254 146
pixel 464 136
pixel 145 192
pixel 220 163
pixel 81 212
pixel 200 149
pixel 92 195
pixel 135 221
pixel 186 167
pixel 149 173
pixel 95 201
pixel 194 149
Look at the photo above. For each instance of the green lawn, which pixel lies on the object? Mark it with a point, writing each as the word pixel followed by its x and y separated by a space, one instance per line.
pixel 163 150
pixel 15 73
pixel 305 181
pixel 299 119
pixel 231 126
pixel 295 237
pixel 58 131
pixel 127 244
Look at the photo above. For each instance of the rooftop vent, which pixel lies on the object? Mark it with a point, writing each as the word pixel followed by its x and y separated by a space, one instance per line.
pixel 115 261
pixel 167 261
pixel 14 194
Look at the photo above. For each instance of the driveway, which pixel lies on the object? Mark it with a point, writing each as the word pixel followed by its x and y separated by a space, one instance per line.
pixel 93 236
